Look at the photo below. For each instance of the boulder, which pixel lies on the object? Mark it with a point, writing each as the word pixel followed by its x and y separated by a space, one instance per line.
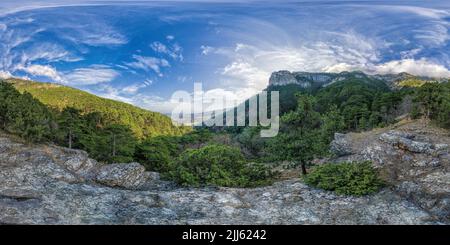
pixel 340 146
pixel 129 176
pixel 405 142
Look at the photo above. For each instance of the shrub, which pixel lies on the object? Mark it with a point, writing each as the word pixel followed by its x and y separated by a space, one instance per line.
pixel 350 178
pixel 218 165
pixel 155 154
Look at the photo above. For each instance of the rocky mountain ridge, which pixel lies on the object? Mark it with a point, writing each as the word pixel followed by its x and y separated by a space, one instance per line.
pixel 45 184
pixel 322 79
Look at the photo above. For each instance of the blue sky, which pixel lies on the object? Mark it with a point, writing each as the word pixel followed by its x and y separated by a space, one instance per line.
pixel 141 52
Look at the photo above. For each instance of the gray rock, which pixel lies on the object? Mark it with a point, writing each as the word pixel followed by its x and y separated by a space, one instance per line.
pixel 42 185
pixel 340 146
pixel 405 142
pixel 282 78
pixel 130 176
pixel 415 162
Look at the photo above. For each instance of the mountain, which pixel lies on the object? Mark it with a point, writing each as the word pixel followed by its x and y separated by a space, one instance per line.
pixel 142 122
pixel 290 83
pixel 329 87
pixel 316 80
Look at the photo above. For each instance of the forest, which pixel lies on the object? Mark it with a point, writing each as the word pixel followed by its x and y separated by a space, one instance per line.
pixel 229 156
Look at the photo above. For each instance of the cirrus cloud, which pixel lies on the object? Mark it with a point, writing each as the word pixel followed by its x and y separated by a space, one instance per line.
pixel 148 63
pixel 91 75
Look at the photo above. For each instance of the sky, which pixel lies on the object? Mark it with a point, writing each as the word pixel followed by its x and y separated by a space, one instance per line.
pixel 141 52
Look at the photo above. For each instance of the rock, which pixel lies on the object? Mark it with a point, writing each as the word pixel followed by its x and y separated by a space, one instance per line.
pixel 282 78
pixel 45 185
pixel 303 79
pixel 130 176
pixel 404 141
pixel 153 176
pixel 413 158
pixel 340 146
pixel 80 163
pixel 313 79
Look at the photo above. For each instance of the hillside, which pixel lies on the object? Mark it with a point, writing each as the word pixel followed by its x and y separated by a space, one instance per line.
pixel 142 122
pixel 346 90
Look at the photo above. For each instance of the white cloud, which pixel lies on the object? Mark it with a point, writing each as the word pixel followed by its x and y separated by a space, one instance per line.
pixel 170 37
pixel 421 11
pixel 91 75
pixel 159 47
pixel 174 51
pixel 100 39
pixel 206 49
pixel 19 51
pixel 3 27
pixel 148 82
pixel 134 88
pixel 421 67
pixel 434 24
pixel 251 65
pixel 5 74
pixel 91 31
pixel 184 79
pixel 49 52
pixel 434 34
pixel 148 63
pixel 42 70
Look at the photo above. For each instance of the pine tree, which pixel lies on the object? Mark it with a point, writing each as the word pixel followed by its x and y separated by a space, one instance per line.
pixel 70 124
pixel 121 142
pixel 300 139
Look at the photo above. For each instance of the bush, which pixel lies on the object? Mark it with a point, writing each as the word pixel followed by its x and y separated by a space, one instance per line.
pixel 350 178
pixel 218 165
pixel 155 154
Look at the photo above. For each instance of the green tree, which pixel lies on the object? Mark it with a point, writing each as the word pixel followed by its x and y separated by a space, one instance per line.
pixel 332 122
pixel 157 153
pixel 300 139
pixel 349 178
pixel 70 126
pixel 428 96
pixel 217 165
pixel 121 142
pixel 23 115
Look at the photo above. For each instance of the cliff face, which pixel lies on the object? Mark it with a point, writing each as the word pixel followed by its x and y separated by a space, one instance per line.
pixel 304 79
pixel 52 185
pixel 321 79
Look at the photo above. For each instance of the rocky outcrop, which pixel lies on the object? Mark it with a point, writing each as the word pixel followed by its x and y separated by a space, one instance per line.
pixel 406 142
pixel 282 78
pixel 340 146
pixel 323 79
pixel 130 176
pixel 54 185
pixel 312 79
pixel 413 157
pixel 303 79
